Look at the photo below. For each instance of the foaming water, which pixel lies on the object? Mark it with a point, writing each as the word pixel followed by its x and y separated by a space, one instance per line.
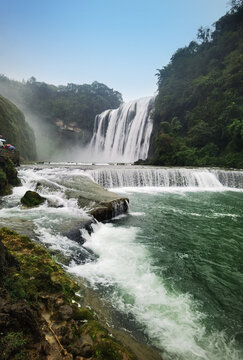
pixel 167 177
pixel 171 265
pixel 55 216
pixel 172 320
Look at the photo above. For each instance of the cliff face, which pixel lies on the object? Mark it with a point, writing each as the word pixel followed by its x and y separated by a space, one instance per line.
pixel 15 129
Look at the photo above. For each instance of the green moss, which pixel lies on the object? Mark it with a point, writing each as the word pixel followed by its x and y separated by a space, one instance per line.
pixel 82 314
pixel 8 177
pixel 38 273
pixel 38 277
pixel 11 346
pixel 32 198
pixel 11 173
pixel 3 183
pixel 105 346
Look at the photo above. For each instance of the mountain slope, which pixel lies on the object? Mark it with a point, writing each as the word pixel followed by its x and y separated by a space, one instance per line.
pixel 198 116
pixel 15 129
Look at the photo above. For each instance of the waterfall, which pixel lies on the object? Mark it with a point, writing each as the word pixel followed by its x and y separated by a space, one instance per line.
pixel 167 177
pixel 123 134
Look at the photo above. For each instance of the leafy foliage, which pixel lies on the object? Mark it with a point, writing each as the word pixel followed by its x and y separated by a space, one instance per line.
pixel 16 129
pixel 198 116
pixel 66 109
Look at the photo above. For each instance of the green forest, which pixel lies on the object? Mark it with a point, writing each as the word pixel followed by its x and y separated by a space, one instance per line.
pixel 16 130
pixel 198 115
pixel 69 110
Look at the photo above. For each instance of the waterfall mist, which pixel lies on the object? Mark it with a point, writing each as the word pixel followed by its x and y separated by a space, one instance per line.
pixel 119 135
pixel 45 133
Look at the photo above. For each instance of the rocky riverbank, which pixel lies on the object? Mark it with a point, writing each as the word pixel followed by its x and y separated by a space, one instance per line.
pixel 40 312
pixel 8 175
pixel 42 315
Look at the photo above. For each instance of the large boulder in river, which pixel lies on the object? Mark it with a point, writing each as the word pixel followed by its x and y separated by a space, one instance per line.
pixel 97 201
pixel 32 198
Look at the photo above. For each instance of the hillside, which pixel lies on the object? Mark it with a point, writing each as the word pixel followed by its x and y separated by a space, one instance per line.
pixel 15 129
pixel 61 116
pixel 198 116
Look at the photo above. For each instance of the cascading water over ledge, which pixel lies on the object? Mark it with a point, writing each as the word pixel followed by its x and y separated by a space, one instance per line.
pixel 123 134
pixel 162 177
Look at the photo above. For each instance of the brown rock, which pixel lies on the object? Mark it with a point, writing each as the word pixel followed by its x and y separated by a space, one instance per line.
pixel 65 312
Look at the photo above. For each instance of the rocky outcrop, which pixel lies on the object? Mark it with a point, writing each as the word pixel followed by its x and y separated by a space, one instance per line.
pixel 40 313
pixel 32 198
pixel 96 200
pixel 8 176
pixel 106 210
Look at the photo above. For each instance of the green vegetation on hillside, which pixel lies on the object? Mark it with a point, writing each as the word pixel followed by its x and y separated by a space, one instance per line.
pixel 15 129
pixel 69 110
pixel 198 116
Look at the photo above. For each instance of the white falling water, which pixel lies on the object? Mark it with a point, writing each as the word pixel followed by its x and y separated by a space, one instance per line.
pixel 123 134
pixel 166 177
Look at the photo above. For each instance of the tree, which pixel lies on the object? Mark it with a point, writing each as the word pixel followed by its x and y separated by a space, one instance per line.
pixel 204 34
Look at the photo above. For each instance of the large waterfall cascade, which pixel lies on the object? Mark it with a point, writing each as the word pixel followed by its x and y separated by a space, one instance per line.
pixel 123 134
pixel 135 176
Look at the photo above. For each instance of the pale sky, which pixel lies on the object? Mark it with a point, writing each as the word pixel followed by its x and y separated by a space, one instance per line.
pixel 118 43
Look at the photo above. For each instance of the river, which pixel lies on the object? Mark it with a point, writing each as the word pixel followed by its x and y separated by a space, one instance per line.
pixel 170 267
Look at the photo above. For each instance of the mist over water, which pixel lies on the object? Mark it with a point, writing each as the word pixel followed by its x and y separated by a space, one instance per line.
pixel 45 134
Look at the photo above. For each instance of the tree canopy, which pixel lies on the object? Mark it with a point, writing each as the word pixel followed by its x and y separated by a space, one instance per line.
pixel 71 104
pixel 198 115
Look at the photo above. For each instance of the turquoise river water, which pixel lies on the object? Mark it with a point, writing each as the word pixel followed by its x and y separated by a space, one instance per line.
pixel 171 267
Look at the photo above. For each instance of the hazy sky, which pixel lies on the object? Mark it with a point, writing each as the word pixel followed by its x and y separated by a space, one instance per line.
pixel 119 43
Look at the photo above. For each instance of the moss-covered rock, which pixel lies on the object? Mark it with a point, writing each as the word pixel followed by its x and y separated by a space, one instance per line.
pixel 39 314
pixel 32 198
pixel 5 189
pixel 8 176
pixel 11 173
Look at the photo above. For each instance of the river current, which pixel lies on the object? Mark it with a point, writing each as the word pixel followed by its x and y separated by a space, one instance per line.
pixel 170 267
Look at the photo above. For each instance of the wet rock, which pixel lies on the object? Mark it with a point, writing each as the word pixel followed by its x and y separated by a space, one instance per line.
pixel 31 199
pixel 99 202
pixel 75 235
pixel 65 312
pixel 6 260
pixel 108 210
pixel 84 346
